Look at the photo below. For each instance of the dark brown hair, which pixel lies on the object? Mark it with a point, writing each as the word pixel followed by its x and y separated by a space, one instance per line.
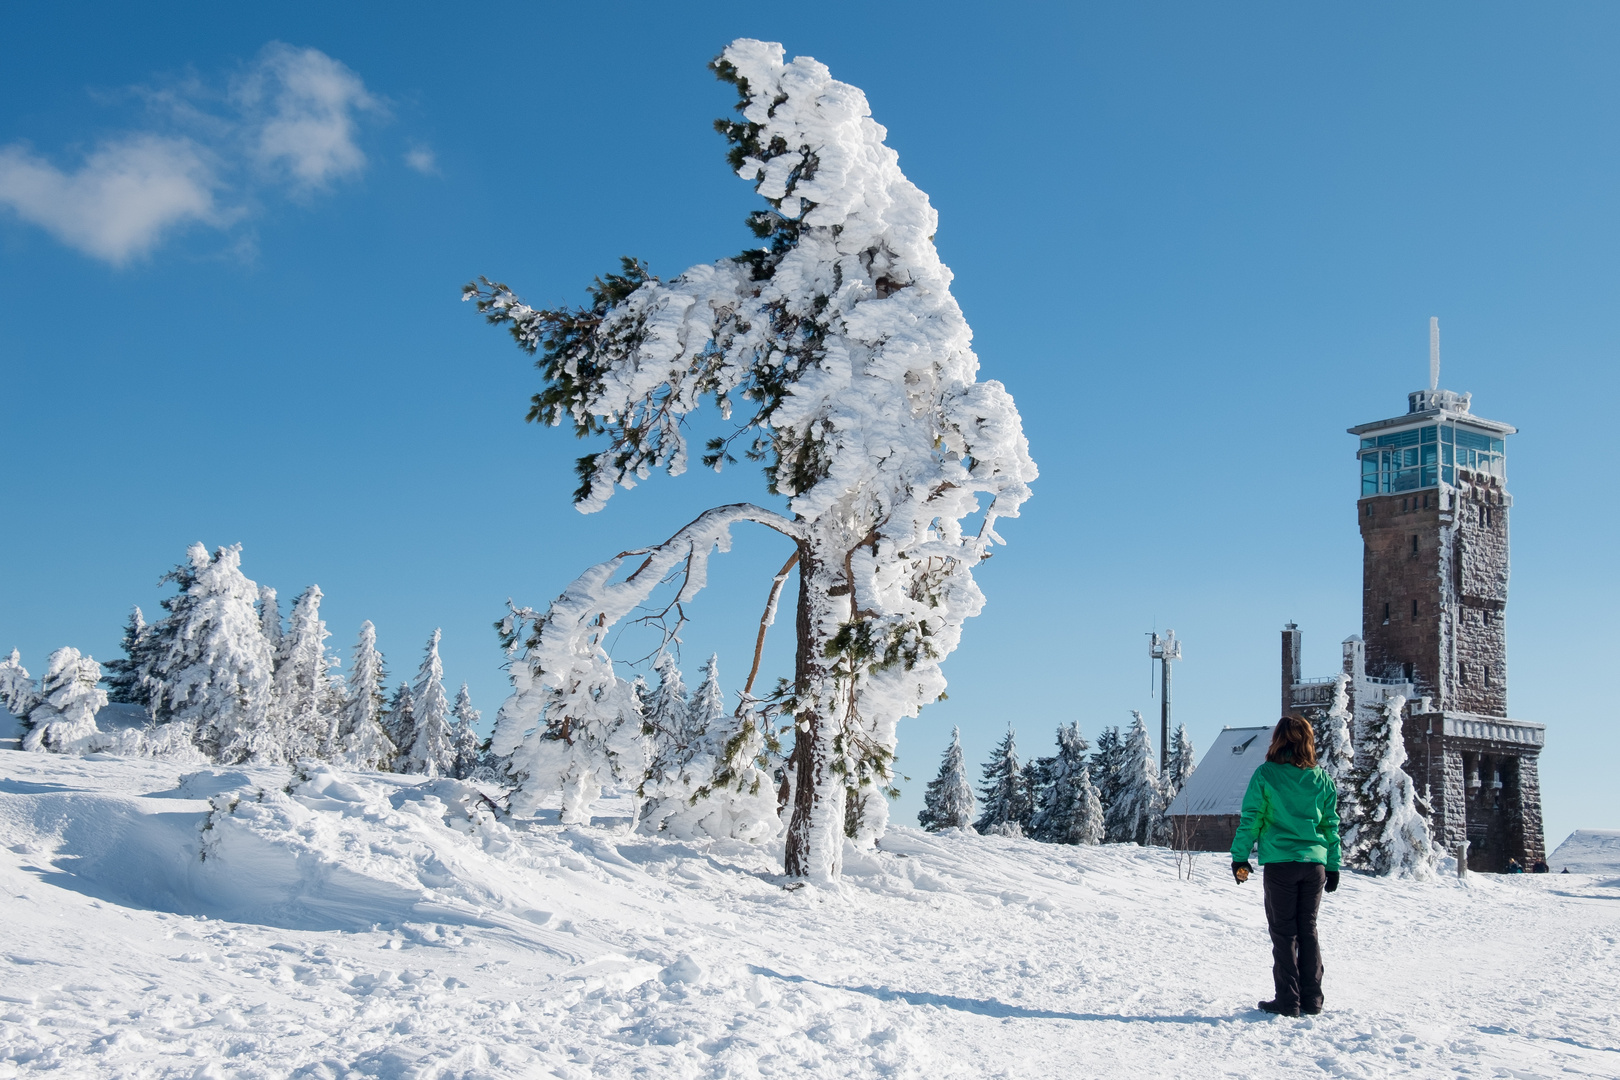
pixel 1293 743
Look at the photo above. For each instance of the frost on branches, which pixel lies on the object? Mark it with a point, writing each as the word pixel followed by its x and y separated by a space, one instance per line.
pixel 464 734
pixel 306 709
pixel 948 801
pixel 1391 838
pixel 1134 812
pixel 853 365
pixel 431 750
pixel 362 740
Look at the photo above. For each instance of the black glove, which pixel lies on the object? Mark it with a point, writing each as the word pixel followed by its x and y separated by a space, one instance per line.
pixel 1332 881
pixel 1243 866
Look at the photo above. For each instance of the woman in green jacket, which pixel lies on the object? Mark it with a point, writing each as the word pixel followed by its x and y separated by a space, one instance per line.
pixel 1292 809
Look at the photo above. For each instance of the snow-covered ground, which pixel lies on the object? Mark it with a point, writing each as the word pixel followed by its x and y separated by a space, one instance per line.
pixel 164 922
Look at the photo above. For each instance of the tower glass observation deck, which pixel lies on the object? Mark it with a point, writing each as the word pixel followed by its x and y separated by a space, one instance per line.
pixel 1428 446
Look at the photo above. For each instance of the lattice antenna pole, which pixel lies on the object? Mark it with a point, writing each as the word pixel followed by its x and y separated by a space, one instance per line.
pixel 1165 650
pixel 1434 352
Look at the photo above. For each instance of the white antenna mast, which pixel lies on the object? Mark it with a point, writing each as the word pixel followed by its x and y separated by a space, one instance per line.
pixel 1434 353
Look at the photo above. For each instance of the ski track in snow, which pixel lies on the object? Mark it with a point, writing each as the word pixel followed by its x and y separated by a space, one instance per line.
pixel 366 926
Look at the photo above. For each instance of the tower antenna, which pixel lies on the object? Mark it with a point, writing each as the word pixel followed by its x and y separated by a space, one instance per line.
pixel 1434 352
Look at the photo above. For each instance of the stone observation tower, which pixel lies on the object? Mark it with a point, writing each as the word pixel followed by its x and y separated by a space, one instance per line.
pixel 1433 512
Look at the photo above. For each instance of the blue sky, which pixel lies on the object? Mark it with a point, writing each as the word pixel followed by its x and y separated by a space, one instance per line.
pixel 1196 243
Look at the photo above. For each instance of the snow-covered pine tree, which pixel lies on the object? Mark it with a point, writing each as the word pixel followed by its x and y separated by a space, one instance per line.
pixel 303 684
pixel 866 410
pixel 948 801
pixel 363 741
pixel 1390 838
pixel 1058 802
pixel 1183 760
pixel 464 734
pixel 432 750
pixel 1133 817
pixel 1087 825
pixel 69 698
pixel 664 723
pixel 270 620
pixel 211 665
pixel 1004 802
pixel 1107 772
pixel 400 724
pixel 717 784
pixel 18 691
pixel 126 676
pixel 1336 753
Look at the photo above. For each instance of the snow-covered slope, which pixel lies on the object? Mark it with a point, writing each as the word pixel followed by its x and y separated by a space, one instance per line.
pixel 1588 851
pixel 161 922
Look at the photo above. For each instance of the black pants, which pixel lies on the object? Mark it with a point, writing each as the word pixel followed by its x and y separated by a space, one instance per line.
pixel 1293 895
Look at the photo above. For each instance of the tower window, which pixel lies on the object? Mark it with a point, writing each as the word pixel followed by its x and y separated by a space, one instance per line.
pixel 1414 609
pixel 1462 673
pixel 1487 671
pixel 1487 517
pixel 1414 544
pixel 1386 614
pixel 1425 500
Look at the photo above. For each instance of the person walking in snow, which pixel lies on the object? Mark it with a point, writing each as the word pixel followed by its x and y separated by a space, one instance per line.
pixel 1292 809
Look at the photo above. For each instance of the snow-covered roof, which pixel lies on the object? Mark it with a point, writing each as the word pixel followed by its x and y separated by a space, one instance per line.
pixel 1586 851
pixel 1218 784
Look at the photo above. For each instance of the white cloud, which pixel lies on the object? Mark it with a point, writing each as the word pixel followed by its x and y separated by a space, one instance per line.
pixel 422 160
pixel 293 120
pixel 121 201
pixel 305 104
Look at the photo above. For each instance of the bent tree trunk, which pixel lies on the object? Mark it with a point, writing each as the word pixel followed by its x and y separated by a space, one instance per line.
pixel 815 835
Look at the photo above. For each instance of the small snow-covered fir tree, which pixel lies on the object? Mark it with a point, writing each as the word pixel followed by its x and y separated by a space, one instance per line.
pixel 464 734
pixel 1390 838
pixel 432 750
pixel 400 724
pixel 1058 799
pixel 18 691
pixel 126 676
pixel 1336 753
pixel 664 723
pixel 362 738
pixel 211 667
pixel 839 338
pixel 1107 767
pixel 1133 817
pixel 303 684
pixel 718 786
pixel 948 801
pixel 270 620
pixel 1004 798
pixel 1183 760
pixel 1087 826
pixel 69 698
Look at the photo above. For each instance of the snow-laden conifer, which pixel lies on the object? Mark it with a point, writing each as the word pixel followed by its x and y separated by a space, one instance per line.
pixel 18 691
pixel 1183 760
pixel 464 734
pixel 1133 816
pixel 362 738
pixel 304 708
pixel 211 665
pixel 1004 798
pixel 126 676
pixel 1087 826
pixel 841 339
pixel 270 621
pixel 1336 752
pixel 716 785
pixel 432 750
pixel 1107 762
pixel 69 698
pixel 948 801
pixel 1057 802
pixel 1391 838
pixel 400 724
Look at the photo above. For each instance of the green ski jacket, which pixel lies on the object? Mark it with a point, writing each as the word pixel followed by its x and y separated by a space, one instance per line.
pixel 1293 812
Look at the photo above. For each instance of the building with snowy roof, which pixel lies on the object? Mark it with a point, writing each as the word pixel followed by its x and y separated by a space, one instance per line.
pixel 1204 814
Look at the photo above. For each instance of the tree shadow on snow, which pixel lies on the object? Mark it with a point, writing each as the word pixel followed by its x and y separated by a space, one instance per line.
pixel 24 787
pixel 990 1006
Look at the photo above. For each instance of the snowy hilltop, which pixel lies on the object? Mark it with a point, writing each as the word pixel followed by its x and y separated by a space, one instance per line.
pixel 165 921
